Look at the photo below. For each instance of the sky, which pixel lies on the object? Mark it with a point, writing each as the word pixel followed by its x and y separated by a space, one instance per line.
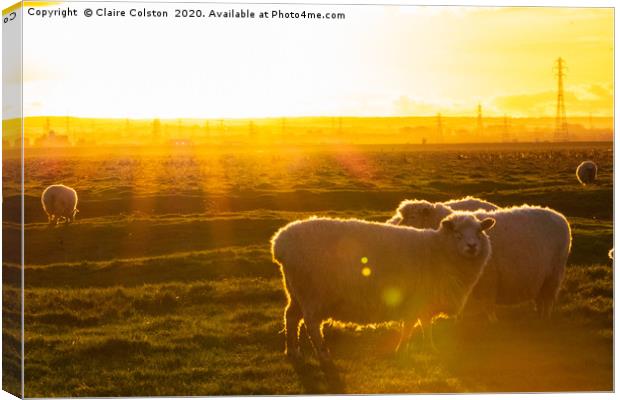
pixel 379 61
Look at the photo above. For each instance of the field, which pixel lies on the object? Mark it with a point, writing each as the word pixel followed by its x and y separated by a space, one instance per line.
pixel 165 285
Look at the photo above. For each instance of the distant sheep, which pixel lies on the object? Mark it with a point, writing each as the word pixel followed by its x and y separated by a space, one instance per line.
pixel 530 248
pixel 59 203
pixel 586 172
pixel 425 209
pixel 369 272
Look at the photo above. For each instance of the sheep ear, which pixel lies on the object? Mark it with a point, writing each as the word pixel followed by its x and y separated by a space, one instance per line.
pixel 447 224
pixel 487 224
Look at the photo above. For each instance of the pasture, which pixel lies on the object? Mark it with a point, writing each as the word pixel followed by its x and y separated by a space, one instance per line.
pixel 165 286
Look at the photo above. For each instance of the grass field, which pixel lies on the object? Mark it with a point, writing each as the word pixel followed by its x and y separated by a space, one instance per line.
pixel 165 286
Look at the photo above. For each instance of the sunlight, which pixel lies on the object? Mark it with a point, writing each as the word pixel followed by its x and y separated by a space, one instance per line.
pixel 373 63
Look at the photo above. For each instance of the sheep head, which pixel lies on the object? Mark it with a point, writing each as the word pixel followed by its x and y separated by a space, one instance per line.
pixel 467 234
pixel 422 214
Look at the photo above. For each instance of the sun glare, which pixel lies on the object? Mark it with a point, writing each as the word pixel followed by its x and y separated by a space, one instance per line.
pixel 376 62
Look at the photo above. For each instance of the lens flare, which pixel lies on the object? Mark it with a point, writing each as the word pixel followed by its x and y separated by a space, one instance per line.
pixel 392 296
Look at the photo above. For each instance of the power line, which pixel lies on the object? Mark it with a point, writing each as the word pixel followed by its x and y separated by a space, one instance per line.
pixel 561 125
pixel 480 126
pixel 439 128
pixel 506 129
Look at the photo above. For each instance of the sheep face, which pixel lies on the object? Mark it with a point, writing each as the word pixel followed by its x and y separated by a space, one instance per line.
pixel 467 234
pixel 422 214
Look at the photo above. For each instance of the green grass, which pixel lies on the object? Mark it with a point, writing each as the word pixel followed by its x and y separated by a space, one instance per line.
pixel 223 337
pixel 165 285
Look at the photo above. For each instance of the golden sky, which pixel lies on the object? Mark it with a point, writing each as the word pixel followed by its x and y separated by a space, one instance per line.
pixel 379 61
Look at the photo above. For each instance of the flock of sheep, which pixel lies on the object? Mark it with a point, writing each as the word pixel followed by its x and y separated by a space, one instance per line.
pixel 427 260
pixel 450 258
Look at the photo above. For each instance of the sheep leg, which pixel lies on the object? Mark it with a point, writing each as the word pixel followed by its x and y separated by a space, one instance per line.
pixel 405 335
pixel 544 303
pixel 429 343
pixel 485 293
pixel 315 331
pixel 548 293
pixel 489 310
pixel 542 307
pixel 292 318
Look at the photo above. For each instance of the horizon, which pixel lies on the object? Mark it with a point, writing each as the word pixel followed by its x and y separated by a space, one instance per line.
pixel 63 131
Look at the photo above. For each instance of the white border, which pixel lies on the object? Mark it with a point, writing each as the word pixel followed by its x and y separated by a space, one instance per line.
pixel 483 3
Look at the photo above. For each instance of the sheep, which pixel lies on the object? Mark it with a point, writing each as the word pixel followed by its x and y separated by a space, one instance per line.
pixel 59 203
pixel 530 249
pixel 468 203
pixel 610 254
pixel 586 172
pixel 369 272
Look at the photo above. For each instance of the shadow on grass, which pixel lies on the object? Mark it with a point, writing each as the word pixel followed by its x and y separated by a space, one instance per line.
pixel 324 379
pixel 535 356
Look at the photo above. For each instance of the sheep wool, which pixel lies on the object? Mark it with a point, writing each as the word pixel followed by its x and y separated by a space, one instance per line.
pixel 586 172
pixel 369 272
pixel 470 203
pixel 59 203
pixel 425 209
pixel 530 249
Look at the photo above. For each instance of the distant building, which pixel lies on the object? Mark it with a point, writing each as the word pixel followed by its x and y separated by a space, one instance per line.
pixel 53 140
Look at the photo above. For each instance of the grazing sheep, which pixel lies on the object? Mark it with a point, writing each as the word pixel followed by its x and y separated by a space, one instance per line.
pixel 59 202
pixel 425 209
pixel 369 272
pixel 530 248
pixel 586 172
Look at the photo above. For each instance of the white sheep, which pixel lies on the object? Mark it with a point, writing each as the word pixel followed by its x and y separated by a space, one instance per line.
pixel 586 172
pixel 59 203
pixel 425 208
pixel 530 249
pixel 368 272
pixel 470 203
